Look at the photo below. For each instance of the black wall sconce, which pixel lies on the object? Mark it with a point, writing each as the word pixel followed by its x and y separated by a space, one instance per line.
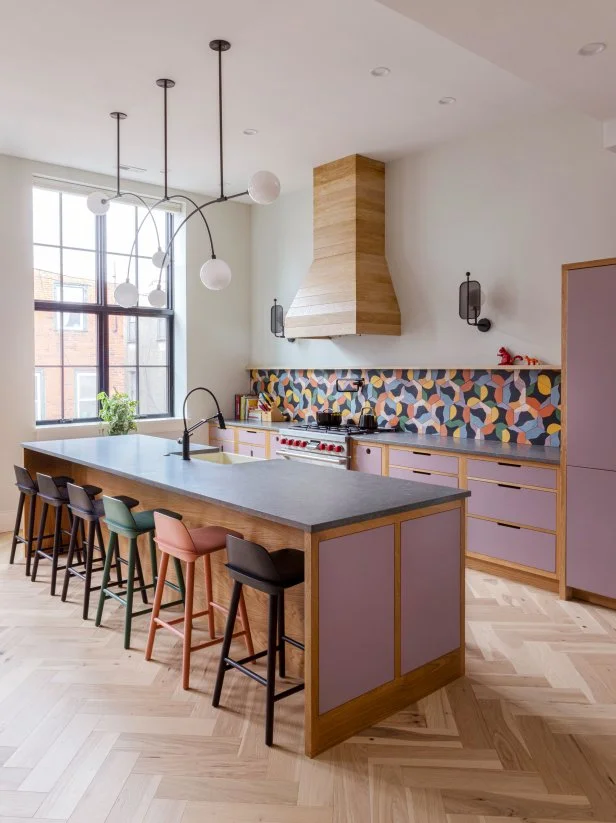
pixel 470 304
pixel 277 322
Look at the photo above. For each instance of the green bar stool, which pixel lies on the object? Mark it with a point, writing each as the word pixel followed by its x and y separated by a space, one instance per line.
pixel 121 522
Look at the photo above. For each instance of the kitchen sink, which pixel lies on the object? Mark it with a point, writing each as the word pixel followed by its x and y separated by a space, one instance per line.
pixel 224 459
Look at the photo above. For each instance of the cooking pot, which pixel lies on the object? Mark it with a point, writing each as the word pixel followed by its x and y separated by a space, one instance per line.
pixel 329 418
pixel 367 419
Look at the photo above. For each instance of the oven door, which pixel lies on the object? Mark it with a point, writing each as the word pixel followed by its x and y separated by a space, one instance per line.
pixel 336 462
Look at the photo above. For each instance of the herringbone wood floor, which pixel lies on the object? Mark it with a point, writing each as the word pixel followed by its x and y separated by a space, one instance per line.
pixel 91 733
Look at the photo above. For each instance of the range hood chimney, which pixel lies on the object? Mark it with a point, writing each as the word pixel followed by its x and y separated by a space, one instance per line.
pixel 348 289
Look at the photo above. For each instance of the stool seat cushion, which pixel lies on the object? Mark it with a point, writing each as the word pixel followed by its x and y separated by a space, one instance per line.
pixel 289 565
pixel 61 479
pixel 91 491
pixel 129 502
pixel 210 538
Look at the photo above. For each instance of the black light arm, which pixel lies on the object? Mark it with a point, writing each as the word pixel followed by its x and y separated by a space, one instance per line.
pixel 187 431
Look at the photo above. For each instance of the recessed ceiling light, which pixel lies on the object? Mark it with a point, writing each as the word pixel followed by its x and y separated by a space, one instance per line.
pixel 447 101
pixel 251 132
pixel 591 49
pixel 380 71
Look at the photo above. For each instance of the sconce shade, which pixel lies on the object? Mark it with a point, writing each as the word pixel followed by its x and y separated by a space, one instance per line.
pixel 470 300
pixel 277 320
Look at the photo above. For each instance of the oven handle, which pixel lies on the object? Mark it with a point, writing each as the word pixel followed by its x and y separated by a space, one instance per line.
pixel 338 461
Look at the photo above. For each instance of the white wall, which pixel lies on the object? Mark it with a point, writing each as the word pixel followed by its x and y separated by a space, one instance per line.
pixel 212 328
pixel 511 206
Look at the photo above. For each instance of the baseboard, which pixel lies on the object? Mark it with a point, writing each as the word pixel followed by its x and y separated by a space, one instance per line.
pixel 7 521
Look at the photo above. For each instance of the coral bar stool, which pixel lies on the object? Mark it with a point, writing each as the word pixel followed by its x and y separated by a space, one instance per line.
pixel 175 540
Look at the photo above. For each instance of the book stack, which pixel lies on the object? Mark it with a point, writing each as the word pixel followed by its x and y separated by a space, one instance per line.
pixel 244 405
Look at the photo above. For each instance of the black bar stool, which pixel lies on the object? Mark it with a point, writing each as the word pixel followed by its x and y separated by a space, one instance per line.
pixel 270 572
pixel 28 489
pixel 87 510
pixel 56 497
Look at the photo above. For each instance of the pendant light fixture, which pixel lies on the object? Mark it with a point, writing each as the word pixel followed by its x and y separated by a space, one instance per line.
pixel 263 189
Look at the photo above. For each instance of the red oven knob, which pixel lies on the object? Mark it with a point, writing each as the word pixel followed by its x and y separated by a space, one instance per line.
pixel 331 447
pixel 322 446
pixel 284 441
pixel 339 449
pixel 304 444
pixel 297 443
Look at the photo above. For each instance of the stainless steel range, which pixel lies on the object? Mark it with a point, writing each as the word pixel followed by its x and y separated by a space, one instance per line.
pixel 321 445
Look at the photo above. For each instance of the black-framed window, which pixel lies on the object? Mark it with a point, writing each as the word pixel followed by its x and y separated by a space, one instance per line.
pixel 84 342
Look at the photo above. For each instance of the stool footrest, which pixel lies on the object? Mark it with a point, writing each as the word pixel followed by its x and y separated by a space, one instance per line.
pixel 288 692
pixel 236 664
pixel 293 642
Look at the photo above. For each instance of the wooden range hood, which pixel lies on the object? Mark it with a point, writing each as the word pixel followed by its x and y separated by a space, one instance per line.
pixel 348 289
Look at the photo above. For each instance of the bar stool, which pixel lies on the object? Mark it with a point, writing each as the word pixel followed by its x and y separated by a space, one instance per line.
pixel 121 522
pixel 270 572
pixel 56 497
pixel 28 489
pixel 86 510
pixel 175 540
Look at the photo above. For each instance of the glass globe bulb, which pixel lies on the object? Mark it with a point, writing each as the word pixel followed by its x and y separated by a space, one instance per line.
pixel 157 298
pixel 264 188
pixel 98 203
pixel 215 274
pixel 126 295
pixel 159 259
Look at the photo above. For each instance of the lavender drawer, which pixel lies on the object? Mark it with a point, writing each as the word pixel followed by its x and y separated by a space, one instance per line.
pixel 527 507
pixel 274 445
pixel 506 472
pixel 252 437
pixel 423 477
pixel 251 451
pixel 221 435
pixel 428 461
pixel 511 543
pixel 367 459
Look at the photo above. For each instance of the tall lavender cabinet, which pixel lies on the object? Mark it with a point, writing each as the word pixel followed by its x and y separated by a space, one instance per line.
pixel 589 360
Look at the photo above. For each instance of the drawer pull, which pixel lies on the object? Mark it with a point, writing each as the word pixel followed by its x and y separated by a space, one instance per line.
pixel 511 465
pixel 423 454
pixel 508 526
pixel 509 486
pixel 368 451
pixel 250 431
pixel 419 471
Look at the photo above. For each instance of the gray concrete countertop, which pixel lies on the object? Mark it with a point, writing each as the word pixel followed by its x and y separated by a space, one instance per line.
pixel 471 448
pixel 307 497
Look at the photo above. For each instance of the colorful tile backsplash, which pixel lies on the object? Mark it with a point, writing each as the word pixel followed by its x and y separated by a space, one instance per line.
pixel 520 406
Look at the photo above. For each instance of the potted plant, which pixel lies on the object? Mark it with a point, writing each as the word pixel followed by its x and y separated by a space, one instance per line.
pixel 118 411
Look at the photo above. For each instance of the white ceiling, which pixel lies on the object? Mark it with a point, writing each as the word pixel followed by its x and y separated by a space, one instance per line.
pixel 300 73
pixel 537 40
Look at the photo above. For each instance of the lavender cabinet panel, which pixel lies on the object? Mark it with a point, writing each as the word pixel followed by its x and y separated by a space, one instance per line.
pixel 356 613
pixel 367 459
pixel 513 543
pixel 504 472
pixel 427 461
pixel 430 588
pixel 224 435
pixel 527 507
pixel 591 297
pixel 423 477
pixel 591 530
pixel 251 451
pixel 253 437
pixel 274 445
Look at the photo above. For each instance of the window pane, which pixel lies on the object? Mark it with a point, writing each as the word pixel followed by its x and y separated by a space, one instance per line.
pixel 79 276
pixel 153 391
pixel 48 393
pixel 149 240
pixel 79 338
pixel 78 222
pixel 80 390
pixel 148 279
pixel 152 341
pixel 121 227
pixel 123 380
pixel 46 272
pixel 117 267
pixel 47 339
pixel 122 340
pixel 46 216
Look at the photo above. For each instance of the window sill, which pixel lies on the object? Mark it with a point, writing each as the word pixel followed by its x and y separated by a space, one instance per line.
pixel 65 431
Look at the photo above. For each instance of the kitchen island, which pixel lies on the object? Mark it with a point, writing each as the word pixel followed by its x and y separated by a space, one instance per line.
pixel 382 608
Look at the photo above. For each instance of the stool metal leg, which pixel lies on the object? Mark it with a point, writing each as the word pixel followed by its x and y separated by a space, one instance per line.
pixel 188 618
pixel 226 643
pixel 29 544
pixel 130 587
pixel 140 577
pixel 20 511
pixel 111 548
pixel 89 550
pixel 57 541
pixel 158 599
pixel 272 637
pixel 281 644
pixel 69 558
pixel 39 542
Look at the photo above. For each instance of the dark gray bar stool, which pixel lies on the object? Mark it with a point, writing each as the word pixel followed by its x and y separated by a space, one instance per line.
pixel 56 497
pixel 87 510
pixel 271 572
pixel 28 489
